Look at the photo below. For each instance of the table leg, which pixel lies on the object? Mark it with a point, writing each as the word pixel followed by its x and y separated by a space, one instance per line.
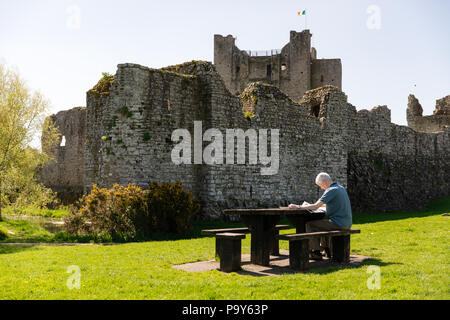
pixel 275 246
pixel 261 228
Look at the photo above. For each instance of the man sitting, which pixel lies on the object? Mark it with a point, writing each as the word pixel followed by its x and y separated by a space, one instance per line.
pixel 339 213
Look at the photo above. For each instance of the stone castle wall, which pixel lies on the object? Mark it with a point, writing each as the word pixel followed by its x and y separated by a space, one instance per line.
pixel 129 137
pixel 65 174
pixel 384 166
pixel 129 129
pixel 393 165
pixel 124 135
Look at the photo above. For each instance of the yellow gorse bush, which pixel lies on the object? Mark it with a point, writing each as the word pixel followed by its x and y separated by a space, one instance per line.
pixel 133 212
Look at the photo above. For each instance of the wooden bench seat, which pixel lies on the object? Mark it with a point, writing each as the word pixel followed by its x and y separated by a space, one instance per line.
pixel 240 230
pixel 311 235
pixel 229 253
pixel 274 245
pixel 299 246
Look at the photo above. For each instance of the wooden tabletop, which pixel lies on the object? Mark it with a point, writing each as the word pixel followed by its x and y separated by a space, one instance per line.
pixel 267 211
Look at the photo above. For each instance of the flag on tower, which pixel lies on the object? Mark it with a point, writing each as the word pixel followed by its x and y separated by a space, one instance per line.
pixel 302 13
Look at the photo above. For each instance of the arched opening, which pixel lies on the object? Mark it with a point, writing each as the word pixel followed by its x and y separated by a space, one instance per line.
pixel 63 142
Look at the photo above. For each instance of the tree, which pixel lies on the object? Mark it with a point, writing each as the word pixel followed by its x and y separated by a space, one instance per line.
pixel 22 115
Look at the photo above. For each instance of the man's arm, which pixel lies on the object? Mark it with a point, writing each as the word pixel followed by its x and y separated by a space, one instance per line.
pixel 314 206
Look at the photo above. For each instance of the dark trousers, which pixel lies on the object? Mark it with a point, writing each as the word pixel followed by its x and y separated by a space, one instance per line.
pixel 321 225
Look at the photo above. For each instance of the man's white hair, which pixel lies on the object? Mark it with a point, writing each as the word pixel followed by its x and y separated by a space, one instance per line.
pixel 323 176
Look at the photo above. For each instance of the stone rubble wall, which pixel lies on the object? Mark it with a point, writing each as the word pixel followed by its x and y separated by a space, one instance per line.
pixel 431 123
pixel 65 173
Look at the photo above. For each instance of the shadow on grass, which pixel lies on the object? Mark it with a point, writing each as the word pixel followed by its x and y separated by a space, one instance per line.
pixel 9 249
pixel 280 266
pixel 195 230
pixel 436 207
pixel 333 267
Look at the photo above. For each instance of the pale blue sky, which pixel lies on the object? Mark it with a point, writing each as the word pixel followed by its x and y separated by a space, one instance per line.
pixel 409 53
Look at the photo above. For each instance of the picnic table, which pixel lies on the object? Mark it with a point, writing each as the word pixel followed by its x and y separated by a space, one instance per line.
pixel 261 223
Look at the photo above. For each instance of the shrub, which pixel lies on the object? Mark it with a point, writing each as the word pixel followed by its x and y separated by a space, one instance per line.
pixel 130 213
pixel 104 83
pixel 35 195
pixel 171 206
pixel 116 212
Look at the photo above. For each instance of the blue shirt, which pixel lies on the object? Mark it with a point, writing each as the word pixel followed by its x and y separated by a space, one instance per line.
pixel 339 210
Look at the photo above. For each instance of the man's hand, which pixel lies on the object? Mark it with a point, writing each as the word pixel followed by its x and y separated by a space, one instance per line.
pixel 293 206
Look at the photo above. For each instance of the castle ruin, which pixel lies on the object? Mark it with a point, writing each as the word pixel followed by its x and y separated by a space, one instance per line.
pixel 125 133
pixel 294 69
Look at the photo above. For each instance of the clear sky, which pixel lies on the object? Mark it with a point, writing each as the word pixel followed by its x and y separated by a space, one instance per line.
pixel 388 48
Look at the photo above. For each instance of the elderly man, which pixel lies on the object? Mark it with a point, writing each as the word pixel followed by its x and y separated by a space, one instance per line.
pixel 339 213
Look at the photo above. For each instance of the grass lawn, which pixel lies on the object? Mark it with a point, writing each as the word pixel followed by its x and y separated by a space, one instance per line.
pixel 411 249
pixel 34 211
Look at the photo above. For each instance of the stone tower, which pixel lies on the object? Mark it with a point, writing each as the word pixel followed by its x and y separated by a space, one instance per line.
pixel 294 69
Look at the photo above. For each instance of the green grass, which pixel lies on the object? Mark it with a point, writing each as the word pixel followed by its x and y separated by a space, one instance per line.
pixel 24 231
pixel 411 249
pixel 34 211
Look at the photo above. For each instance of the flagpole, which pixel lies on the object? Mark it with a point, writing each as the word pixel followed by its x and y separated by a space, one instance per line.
pixel 303 13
